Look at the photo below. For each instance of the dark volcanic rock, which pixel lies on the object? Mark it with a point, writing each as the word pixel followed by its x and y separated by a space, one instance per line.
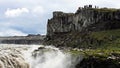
pixel 87 18
pixel 98 63
pixel 67 29
pixel 87 28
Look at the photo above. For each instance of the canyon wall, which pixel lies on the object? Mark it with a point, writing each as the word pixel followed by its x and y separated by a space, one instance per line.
pixel 74 28
pixel 85 18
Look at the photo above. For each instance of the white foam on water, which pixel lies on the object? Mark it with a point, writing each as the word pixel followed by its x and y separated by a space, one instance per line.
pixel 34 56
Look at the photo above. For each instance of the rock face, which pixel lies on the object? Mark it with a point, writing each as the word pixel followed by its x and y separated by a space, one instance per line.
pixel 30 39
pixel 84 19
pixel 68 29
pixel 98 63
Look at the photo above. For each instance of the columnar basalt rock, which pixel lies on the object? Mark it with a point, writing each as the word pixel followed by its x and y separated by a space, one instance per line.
pixel 74 29
pixel 85 18
pixel 61 22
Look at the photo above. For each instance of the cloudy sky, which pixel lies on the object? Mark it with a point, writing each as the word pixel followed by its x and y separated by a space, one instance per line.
pixel 22 17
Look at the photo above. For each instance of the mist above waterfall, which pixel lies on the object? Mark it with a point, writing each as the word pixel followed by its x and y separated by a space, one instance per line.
pixel 35 56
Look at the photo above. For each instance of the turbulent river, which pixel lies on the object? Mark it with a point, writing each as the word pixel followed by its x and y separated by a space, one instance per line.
pixel 35 56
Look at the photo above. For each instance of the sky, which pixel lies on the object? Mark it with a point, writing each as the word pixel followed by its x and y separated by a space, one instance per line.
pixel 22 17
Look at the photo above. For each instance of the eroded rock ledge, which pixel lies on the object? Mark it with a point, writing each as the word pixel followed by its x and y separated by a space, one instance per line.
pixel 84 19
pixel 78 29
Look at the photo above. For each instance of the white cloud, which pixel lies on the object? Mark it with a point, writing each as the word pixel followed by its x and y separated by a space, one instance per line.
pixel 32 18
pixel 11 32
pixel 16 12
pixel 6 29
pixel 37 11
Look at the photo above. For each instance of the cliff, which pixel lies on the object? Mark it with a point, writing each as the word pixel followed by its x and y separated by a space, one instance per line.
pixel 85 18
pixel 91 31
pixel 30 39
pixel 79 29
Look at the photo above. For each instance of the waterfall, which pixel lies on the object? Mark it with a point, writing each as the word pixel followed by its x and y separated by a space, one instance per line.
pixel 35 56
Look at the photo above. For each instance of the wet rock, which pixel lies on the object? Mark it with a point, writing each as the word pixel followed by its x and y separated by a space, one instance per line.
pixel 92 62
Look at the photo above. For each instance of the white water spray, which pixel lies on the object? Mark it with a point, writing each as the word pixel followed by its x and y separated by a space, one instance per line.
pixel 34 56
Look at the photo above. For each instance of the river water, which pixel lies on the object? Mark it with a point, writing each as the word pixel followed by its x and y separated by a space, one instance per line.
pixel 35 56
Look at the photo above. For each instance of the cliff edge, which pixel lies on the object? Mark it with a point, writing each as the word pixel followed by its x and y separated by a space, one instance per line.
pixel 78 29
pixel 85 18
pixel 91 31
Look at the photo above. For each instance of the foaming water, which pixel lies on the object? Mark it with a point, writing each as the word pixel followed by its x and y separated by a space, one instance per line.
pixel 35 56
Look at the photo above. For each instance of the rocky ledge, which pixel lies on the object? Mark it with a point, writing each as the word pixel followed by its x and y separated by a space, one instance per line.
pixel 93 62
pixel 30 39
pixel 78 29
pixel 86 18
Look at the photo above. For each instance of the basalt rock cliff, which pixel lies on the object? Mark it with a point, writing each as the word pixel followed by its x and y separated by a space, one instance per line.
pixel 75 29
pixel 92 31
pixel 87 18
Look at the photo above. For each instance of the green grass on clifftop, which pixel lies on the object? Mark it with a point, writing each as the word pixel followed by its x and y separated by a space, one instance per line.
pixel 109 46
pixel 106 9
pixel 110 38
